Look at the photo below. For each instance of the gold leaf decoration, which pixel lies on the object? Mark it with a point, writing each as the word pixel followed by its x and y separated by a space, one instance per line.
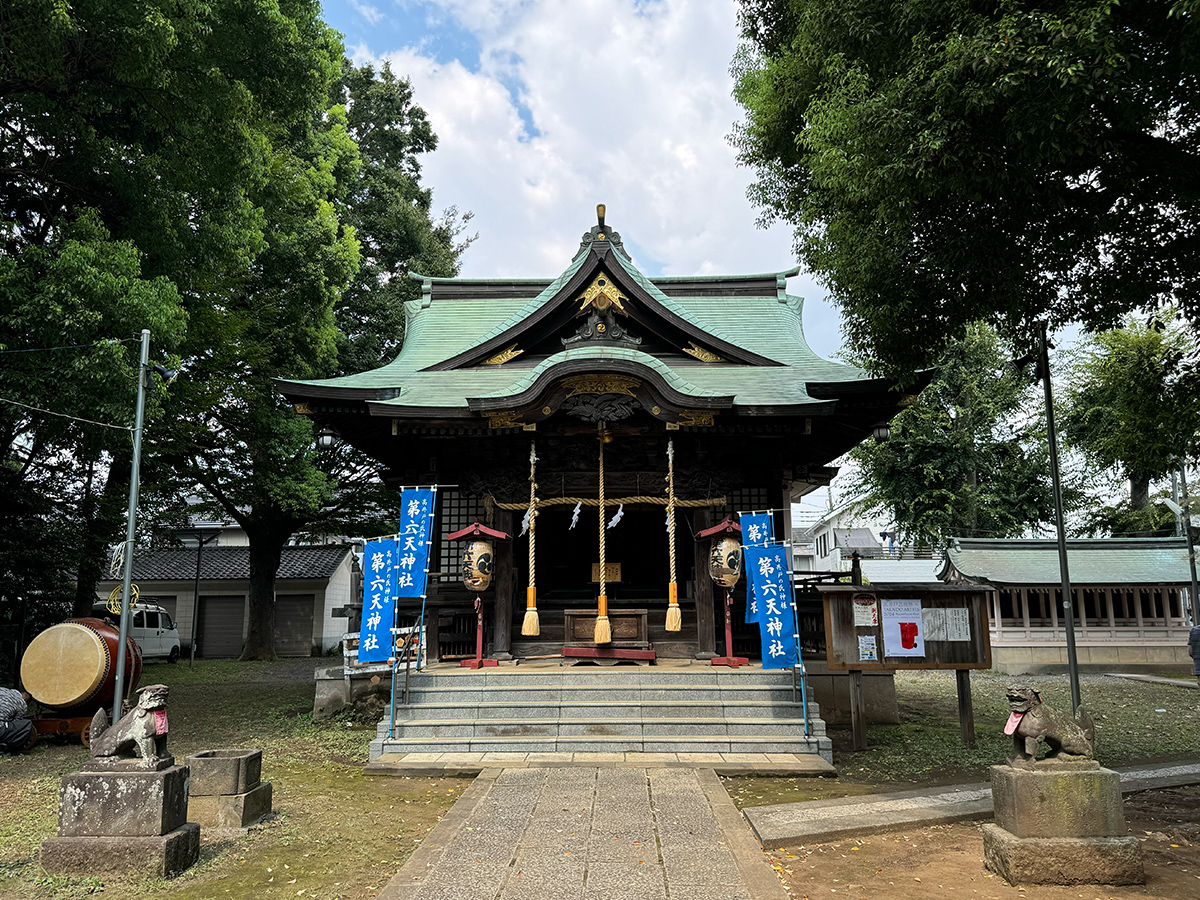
pixel 601 384
pixel 303 409
pixel 701 417
pixel 503 356
pixel 509 418
pixel 601 294
pixel 694 349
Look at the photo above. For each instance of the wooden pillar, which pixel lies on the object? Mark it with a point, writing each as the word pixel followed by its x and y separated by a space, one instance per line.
pixel 858 710
pixel 505 586
pixel 706 632
pixel 966 709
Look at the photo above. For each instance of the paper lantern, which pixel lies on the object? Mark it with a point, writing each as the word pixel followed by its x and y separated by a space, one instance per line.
pixel 477 563
pixel 725 561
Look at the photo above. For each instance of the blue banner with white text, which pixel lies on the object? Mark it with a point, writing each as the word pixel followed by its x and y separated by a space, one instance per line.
pixel 769 571
pixel 758 529
pixel 416 529
pixel 379 600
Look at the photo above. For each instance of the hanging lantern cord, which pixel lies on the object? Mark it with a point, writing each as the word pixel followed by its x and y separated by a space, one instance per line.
pixel 674 615
pixel 603 629
pixel 531 626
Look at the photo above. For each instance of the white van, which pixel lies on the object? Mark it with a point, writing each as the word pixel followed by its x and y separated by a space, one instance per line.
pixel 151 627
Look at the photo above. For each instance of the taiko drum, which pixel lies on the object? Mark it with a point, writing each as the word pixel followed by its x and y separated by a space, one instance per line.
pixel 71 667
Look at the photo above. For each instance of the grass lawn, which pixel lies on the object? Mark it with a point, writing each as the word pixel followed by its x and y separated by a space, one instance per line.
pixel 334 834
pixel 1136 722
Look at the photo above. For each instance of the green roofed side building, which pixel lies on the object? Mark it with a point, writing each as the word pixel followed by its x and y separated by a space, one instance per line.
pixel 492 371
pixel 1130 601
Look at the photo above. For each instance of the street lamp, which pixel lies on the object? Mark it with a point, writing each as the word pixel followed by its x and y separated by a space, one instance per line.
pixel 201 534
pixel 327 437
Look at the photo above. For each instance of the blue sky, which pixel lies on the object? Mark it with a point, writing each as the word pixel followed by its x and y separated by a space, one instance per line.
pixel 544 108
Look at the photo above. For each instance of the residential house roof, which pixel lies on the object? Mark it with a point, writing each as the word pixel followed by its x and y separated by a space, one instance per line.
pixel 233 563
pixel 1099 562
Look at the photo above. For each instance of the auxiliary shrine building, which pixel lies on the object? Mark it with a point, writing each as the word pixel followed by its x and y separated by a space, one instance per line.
pixel 599 392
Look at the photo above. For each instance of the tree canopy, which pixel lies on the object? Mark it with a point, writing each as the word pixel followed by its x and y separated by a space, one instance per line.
pixel 1132 404
pixel 945 161
pixel 966 459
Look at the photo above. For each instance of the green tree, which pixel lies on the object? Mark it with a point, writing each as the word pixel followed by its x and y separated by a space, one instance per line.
pixel 234 435
pixel 945 161
pixel 967 458
pixel 391 214
pixel 133 137
pixel 1131 405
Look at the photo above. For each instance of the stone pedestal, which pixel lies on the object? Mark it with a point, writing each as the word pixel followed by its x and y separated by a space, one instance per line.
pixel 1060 822
pixel 122 816
pixel 227 790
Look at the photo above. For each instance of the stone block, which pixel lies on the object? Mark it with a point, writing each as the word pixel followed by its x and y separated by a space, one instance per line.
pixel 1095 860
pixel 162 855
pixel 123 804
pixel 231 811
pixel 216 772
pixel 1076 799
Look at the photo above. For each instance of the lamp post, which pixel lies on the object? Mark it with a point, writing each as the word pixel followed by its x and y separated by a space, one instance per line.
pixel 1068 604
pixel 201 535
pixel 131 523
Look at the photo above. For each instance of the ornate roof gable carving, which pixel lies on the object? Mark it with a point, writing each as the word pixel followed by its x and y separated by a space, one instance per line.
pixel 617 309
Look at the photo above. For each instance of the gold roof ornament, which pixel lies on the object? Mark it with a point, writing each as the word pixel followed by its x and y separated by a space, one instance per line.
pixel 694 349
pixel 503 356
pixel 601 384
pixel 601 294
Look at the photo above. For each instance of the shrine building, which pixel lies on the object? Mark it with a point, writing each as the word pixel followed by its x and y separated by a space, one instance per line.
pixel 600 394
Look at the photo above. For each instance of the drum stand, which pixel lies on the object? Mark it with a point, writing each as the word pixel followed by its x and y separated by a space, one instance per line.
pixel 478 662
pixel 729 659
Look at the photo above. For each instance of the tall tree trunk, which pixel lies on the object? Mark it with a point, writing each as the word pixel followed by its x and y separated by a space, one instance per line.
pixel 266 550
pixel 1139 490
pixel 102 520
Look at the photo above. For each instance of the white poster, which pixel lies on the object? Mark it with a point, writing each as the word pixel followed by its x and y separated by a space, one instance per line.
pixel 868 650
pixel 933 624
pixel 902 628
pixel 958 624
pixel 866 612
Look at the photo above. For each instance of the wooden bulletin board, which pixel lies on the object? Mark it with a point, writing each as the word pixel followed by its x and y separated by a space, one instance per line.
pixel 952 626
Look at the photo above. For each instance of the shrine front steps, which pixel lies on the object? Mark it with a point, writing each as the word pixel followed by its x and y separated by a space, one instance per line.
pixel 603 711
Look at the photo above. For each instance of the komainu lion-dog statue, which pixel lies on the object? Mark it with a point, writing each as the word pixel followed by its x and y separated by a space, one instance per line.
pixel 1031 721
pixel 143 728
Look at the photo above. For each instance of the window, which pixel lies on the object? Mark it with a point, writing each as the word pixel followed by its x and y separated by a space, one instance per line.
pixel 152 620
pixel 139 620
pixel 166 621
pixel 457 512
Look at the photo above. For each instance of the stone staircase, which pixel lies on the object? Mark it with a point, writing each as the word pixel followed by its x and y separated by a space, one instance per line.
pixel 609 710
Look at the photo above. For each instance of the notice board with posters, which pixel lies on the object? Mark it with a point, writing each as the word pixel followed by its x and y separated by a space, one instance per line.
pixel 906 626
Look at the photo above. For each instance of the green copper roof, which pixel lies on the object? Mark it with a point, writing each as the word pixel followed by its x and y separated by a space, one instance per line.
pixel 1109 561
pixel 444 324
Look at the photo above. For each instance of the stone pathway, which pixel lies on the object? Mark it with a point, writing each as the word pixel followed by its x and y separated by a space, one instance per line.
pixel 789 824
pixel 583 833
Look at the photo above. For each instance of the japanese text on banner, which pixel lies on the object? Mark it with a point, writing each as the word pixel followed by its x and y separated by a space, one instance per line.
pixel 758 530
pixel 416 526
pixel 379 601
pixel 769 572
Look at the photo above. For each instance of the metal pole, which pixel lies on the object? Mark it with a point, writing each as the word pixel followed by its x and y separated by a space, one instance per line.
pixel 131 524
pixel 1191 545
pixel 200 542
pixel 1067 598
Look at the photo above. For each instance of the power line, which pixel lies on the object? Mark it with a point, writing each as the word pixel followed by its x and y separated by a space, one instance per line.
pixel 73 346
pixel 64 415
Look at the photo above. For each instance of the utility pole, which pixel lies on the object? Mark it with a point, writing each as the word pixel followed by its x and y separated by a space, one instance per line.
pixel 1067 597
pixel 1191 544
pixel 131 523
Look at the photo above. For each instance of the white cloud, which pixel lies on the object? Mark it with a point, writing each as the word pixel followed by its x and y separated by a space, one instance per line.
pixel 368 12
pixel 630 106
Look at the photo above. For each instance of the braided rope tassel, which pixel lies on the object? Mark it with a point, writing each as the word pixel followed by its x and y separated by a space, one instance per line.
pixel 674 614
pixel 603 633
pixel 532 626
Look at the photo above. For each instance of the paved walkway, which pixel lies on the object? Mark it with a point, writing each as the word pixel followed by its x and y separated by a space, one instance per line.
pixel 789 824
pixel 585 833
